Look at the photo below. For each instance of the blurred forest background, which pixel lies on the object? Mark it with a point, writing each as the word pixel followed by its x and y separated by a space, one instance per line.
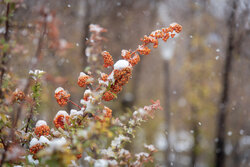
pixel 201 77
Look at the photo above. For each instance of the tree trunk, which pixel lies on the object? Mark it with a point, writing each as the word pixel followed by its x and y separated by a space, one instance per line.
pixel 195 128
pixel 167 109
pixel 221 122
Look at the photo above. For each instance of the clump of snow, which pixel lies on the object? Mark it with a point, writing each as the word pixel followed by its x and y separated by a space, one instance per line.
pixel 75 113
pixel 57 143
pixel 101 82
pixel 121 64
pixel 123 152
pixel 40 123
pixel 87 91
pixel 44 140
pixel 61 112
pixel 82 74
pixel 58 89
pixel 36 72
pixel 112 162
pixel 150 147
pixel 31 160
pixel 63 43
pixel 88 159
pixel 95 28
pixel 118 140
pixel 101 163
pixel 88 104
pixel 108 152
pixel 111 77
pixel 83 133
pixel 124 52
pixel 33 142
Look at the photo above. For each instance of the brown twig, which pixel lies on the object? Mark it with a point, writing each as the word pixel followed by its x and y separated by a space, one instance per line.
pixel 33 65
pixel 4 57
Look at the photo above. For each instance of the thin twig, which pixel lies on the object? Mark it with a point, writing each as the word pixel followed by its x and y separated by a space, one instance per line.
pixel 4 57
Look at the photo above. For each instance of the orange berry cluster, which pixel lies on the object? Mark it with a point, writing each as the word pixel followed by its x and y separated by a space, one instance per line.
pixel 18 95
pixel 42 130
pixel 108 95
pixel 164 34
pixel 107 112
pixel 62 97
pixel 108 60
pixel 34 149
pixel 84 80
pixel 127 55
pixel 60 120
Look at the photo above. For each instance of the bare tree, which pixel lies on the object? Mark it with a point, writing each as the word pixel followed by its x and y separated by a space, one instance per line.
pixel 222 114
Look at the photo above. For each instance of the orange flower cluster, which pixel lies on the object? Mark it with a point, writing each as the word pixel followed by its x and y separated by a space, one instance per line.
pixel 84 80
pixel 60 119
pixel 135 60
pixel 42 129
pixel 108 60
pixel 104 76
pixel 165 33
pixel 61 96
pixel 121 78
pixel 107 112
pixel 18 95
pixel 143 50
pixel 127 55
pixel 108 95
pixel 34 149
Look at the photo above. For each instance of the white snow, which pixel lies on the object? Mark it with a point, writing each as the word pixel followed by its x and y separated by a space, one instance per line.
pixel 123 152
pixel 87 91
pixel 150 147
pixel 33 142
pixel 31 160
pixel 101 163
pixel 124 52
pixel 75 112
pixel 58 89
pixel 36 72
pixel 89 105
pixel 89 159
pixel 117 141
pixel 108 152
pixel 82 74
pixel 142 154
pixel 63 43
pixel 62 112
pixel 58 143
pixel 95 28
pixel 112 162
pixel 40 123
pixel 121 64
pixel 111 77
pixel 101 82
pixel 44 140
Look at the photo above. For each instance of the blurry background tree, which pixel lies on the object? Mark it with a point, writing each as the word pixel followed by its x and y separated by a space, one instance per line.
pixel 190 72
